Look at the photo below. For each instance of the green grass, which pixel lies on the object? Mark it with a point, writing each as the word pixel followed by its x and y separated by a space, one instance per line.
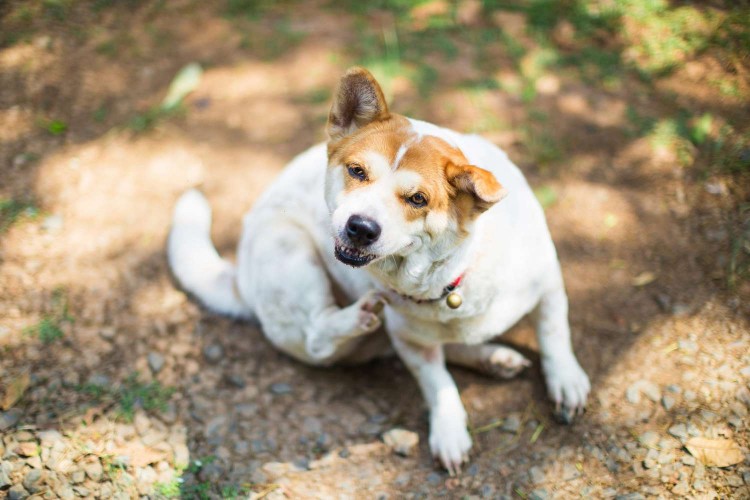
pixel 13 211
pixel 50 328
pixel 130 395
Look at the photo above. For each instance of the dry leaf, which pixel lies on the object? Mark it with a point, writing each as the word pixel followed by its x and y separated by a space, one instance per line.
pixel 715 452
pixel 644 279
pixel 15 391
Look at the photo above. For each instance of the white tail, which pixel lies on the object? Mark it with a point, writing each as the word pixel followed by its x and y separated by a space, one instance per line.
pixel 195 262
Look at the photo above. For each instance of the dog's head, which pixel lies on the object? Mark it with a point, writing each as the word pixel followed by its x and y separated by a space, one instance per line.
pixel 391 190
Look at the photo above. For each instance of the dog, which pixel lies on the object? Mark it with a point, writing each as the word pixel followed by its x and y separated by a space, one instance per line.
pixel 392 235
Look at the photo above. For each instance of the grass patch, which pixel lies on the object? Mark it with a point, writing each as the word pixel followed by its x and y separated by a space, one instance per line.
pixel 13 211
pixel 54 127
pixel 131 395
pixel 50 328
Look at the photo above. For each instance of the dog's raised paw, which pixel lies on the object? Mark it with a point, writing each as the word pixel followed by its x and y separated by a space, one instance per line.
pixel 370 307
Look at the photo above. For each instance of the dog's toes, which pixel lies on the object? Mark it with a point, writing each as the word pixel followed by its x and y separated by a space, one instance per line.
pixel 568 388
pixel 505 362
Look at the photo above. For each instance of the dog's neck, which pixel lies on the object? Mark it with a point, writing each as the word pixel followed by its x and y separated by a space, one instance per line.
pixel 424 273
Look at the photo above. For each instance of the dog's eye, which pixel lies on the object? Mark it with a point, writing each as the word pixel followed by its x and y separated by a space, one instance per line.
pixel 357 172
pixel 417 199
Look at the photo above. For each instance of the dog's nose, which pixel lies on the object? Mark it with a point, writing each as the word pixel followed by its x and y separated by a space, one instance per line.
pixel 362 231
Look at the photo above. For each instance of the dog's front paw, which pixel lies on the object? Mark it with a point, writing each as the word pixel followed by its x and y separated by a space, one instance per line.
pixel 450 442
pixel 568 386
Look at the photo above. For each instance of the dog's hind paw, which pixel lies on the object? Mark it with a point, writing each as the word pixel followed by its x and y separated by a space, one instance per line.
pixel 370 307
pixel 504 362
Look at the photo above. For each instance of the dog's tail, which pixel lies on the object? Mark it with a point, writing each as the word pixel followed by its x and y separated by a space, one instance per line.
pixel 195 262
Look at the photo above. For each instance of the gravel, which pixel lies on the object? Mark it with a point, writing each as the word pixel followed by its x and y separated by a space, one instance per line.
pixel 512 423
pixel 213 353
pixel 9 418
pixel 155 362
pixel 679 431
pixel 401 441
pixel 280 388
pixel 668 402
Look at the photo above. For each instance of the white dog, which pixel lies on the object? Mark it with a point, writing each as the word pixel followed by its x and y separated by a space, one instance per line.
pixel 394 223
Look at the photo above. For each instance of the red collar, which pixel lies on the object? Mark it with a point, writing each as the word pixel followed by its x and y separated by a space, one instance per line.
pixel 447 290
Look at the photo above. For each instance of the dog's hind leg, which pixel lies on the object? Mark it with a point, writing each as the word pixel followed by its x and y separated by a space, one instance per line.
pixel 490 359
pixel 294 299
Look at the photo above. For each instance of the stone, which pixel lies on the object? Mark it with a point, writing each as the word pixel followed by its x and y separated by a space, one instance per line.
pixel 650 390
pixel 236 380
pixel 681 489
pixel 693 430
pixel 633 394
pixel 668 402
pixel 5 471
pixel 539 494
pixel 434 478
pixel 48 438
pixel 690 395
pixel 155 362
pixel 511 423
pixel 734 480
pixel 536 475
pixel 78 477
pixel 401 441
pixel 666 458
pixel 94 470
pixel 280 388
pixel 17 492
pixel 213 353
pixel 649 439
pixel 9 418
pixel 688 460
pixel 27 449
pixel 679 431
pixel 81 491
pixel 570 472
pixel 32 480
pixel 687 345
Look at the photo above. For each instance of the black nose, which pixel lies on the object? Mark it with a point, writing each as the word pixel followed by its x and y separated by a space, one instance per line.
pixel 362 231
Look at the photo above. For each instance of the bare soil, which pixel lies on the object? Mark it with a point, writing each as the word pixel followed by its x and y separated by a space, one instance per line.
pixel 645 246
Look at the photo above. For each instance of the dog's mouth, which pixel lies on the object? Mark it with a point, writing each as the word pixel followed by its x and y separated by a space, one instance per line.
pixel 353 256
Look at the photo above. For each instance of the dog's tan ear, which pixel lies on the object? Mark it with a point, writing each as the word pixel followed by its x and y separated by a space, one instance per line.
pixel 481 186
pixel 358 101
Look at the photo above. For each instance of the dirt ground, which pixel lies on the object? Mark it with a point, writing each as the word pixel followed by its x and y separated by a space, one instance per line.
pixel 113 384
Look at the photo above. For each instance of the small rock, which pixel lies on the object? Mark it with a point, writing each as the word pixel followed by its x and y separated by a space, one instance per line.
pixel 745 371
pixel 650 390
pixel 536 474
pixel 52 223
pixel 434 478
pixel 94 470
pixel 679 431
pixel 4 475
pixel 155 362
pixel 667 402
pixel 649 439
pixel 666 458
pixel 681 489
pixel 280 388
pixel 107 333
pixel 539 494
pixel 27 449
pixel 31 481
pixel 9 418
pixel 687 345
pixel 570 472
pixel 78 477
pixel 403 479
pixel 211 472
pixel 98 379
pixel 650 461
pixel 511 423
pixel 17 492
pixel 688 460
pixel 81 491
pixel 236 380
pixel 401 441
pixel 487 491
pixel 633 394
pixel 213 353
pixel 693 430
pixel 734 480
pixel 676 389
pixel 690 395
pixel 699 485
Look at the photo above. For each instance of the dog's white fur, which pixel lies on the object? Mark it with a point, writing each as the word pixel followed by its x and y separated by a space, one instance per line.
pixel 286 275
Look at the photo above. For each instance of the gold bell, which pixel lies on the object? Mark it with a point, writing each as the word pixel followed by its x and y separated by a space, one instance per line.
pixel 454 300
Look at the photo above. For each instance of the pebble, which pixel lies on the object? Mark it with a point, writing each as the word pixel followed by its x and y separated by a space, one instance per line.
pixel 649 439
pixel 630 496
pixel 155 362
pixel 666 457
pixel 280 388
pixel 690 395
pixel 9 418
pixel 633 395
pixel 94 470
pixel 687 345
pixel 679 431
pixel 511 423
pixel 681 489
pixel 434 478
pixel 674 388
pixel 81 491
pixel 688 460
pixel 17 492
pixel 693 430
pixel 536 474
pixel 487 491
pixel 734 480
pixel 401 441
pixel 650 461
pixel 236 380
pixel 539 494
pixel 27 449
pixel 78 477
pixel 213 353
pixel 746 477
pixel 570 472
pixel 668 402
pixel 4 475
pixel 31 481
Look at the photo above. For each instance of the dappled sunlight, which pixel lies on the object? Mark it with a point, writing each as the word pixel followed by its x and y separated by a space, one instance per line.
pixel 630 124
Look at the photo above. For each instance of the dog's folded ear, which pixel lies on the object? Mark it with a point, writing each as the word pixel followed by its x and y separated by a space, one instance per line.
pixel 475 184
pixel 357 102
